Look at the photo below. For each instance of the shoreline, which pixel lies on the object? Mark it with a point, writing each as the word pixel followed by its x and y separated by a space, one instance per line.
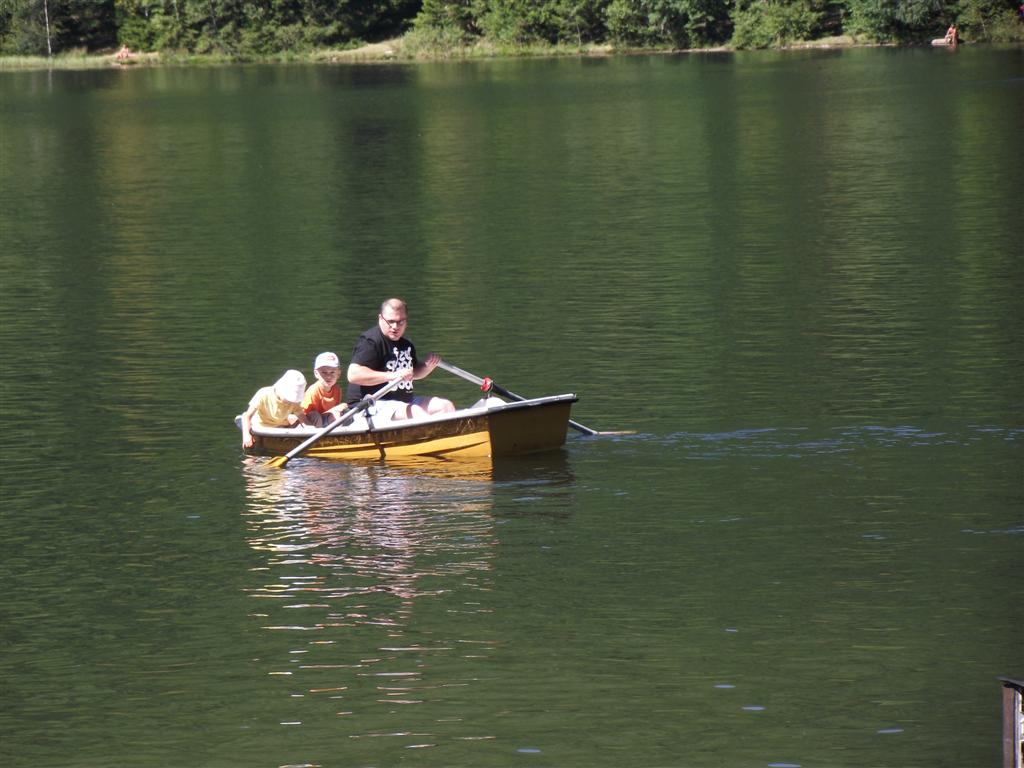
pixel 394 51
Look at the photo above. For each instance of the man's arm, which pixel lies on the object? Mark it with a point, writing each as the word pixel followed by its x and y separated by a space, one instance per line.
pixel 367 377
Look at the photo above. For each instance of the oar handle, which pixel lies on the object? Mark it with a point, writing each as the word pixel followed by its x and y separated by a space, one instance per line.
pixel 444 365
pixel 488 385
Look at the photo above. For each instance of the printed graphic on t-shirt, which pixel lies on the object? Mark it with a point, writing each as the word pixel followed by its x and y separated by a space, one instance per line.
pixel 401 358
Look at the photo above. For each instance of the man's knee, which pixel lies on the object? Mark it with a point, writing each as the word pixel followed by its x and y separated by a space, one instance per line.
pixel 440 405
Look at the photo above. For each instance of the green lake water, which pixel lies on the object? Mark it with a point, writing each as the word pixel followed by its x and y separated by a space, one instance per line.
pixel 798 277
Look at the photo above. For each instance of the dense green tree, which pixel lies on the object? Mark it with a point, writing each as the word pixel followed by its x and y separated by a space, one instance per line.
pixel 767 23
pixel 585 21
pixel 709 22
pixel 995 20
pixel 23 27
pixel 539 21
pixel 149 25
pixel 627 24
pixel 885 20
pixel 453 14
pixel 247 27
pixel 678 23
pixel 39 27
pixel 85 24
pixel 258 26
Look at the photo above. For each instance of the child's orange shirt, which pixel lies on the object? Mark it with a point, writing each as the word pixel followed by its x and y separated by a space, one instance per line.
pixel 317 398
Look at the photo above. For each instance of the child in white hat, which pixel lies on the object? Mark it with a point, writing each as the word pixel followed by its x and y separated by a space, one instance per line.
pixel 276 406
pixel 322 402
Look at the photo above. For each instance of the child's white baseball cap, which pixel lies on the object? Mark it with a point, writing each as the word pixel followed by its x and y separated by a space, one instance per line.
pixel 291 386
pixel 326 359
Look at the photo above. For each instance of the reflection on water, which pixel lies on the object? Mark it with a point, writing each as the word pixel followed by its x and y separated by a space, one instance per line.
pixel 334 534
pixel 374 591
pixel 551 467
pixel 350 554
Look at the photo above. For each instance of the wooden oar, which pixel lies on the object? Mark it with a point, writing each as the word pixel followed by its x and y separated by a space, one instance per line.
pixel 346 418
pixel 487 385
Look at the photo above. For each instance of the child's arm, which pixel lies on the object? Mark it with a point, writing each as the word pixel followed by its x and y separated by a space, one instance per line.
pixel 247 440
pixel 299 416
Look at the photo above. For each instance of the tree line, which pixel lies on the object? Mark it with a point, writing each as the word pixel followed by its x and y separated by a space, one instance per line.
pixel 267 27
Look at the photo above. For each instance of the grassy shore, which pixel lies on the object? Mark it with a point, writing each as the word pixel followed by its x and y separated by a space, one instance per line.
pixel 402 49
pixel 397 50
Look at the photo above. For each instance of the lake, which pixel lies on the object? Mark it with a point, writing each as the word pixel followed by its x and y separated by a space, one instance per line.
pixel 796 277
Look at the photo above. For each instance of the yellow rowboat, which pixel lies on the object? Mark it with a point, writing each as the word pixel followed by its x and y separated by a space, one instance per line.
pixel 491 428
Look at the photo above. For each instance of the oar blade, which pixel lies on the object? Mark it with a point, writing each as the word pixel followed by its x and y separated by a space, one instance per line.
pixel 277 462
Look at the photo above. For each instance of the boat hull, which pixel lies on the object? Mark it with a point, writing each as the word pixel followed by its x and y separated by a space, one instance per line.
pixel 508 429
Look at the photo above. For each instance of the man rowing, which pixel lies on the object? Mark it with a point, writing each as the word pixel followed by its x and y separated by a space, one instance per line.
pixel 382 354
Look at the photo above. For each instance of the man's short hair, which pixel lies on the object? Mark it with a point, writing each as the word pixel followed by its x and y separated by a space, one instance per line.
pixel 396 304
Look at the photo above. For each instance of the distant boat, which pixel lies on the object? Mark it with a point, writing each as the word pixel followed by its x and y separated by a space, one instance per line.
pixel 491 428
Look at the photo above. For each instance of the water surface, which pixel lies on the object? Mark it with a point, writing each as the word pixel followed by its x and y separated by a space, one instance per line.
pixel 796 276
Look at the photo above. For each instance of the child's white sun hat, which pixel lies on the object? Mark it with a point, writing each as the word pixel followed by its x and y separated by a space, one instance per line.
pixel 291 386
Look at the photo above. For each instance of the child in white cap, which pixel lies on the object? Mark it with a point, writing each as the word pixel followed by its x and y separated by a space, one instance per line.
pixel 322 402
pixel 276 406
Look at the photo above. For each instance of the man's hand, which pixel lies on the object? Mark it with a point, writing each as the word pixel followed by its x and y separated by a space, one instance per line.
pixel 431 362
pixel 402 374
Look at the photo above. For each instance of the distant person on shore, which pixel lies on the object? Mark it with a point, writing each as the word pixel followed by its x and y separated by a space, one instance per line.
pixel 382 354
pixel 951 35
pixel 277 406
pixel 124 54
pixel 322 402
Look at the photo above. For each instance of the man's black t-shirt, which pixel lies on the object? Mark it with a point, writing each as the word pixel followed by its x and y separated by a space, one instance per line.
pixel 376 351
